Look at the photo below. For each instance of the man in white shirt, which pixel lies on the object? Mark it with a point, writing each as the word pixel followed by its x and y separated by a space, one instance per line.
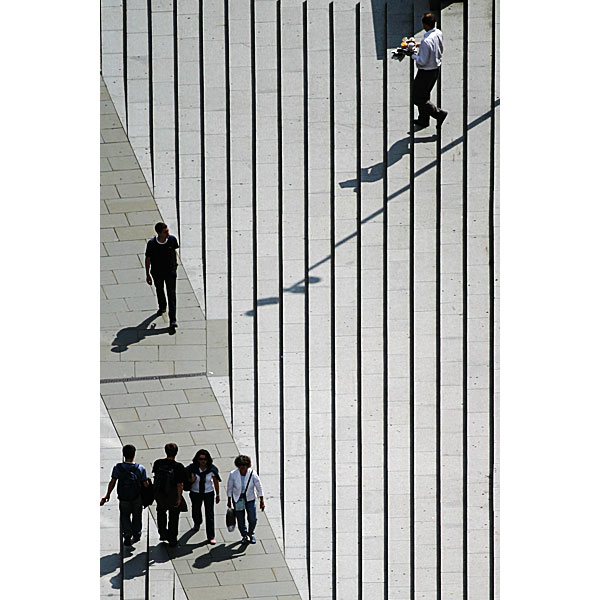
pixel 428 58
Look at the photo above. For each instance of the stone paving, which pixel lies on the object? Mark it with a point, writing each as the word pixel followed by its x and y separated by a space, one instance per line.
pixel 459 261
pixel 149 412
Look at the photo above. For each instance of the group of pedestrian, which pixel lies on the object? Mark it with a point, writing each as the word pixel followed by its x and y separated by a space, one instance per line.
pixel 200 478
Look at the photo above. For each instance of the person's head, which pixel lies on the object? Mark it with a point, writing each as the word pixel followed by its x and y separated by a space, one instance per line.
pixel 243 463
pixel 171 450
pixel 203 459
pixel 129 452
pixel 161 229
pixel 428 21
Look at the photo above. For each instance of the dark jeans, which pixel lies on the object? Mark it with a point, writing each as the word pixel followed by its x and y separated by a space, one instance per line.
pixel 241 518
pixel 208 499
pixel 130 512
pixel 169 280
pixel 171 530
pixel 424 82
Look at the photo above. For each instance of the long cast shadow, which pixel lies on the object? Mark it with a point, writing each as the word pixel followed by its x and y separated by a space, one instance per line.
pixel 394 195
pixel 375 172
pixel 132 335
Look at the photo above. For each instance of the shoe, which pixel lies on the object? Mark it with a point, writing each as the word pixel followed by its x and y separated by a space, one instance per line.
pixel 163 537
pixel 252 539
pixel 245 539
pixel 127 541
pixel 196 527
pixel 136 538
pixel 212 541
pixel 173 324
pixel 161 311
pixel 442 117
pixel 420 124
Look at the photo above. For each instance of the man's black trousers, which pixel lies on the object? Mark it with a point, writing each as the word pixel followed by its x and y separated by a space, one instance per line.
pixel 171 530
pixel 209 508
pixel 169 280
pixel 424 82
pixel 130 512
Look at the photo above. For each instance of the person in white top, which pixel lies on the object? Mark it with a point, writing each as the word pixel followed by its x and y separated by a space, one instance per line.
pixel 204 477
pixel 243 486
pixel 428 58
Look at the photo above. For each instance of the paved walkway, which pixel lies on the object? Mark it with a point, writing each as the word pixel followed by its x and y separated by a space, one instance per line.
pixel 369 401
pixel 177 406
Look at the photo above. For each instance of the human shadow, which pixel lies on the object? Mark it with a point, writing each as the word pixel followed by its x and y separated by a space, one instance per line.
pixel 219 553
pixel 375 172
pixel 297 288
pixel 132 335
pixel 133 565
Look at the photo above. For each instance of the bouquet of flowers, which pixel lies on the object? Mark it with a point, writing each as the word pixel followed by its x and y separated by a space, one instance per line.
pixel 406 48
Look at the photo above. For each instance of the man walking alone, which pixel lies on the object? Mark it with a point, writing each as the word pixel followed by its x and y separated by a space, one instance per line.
pixel 428 58
pixel 161 265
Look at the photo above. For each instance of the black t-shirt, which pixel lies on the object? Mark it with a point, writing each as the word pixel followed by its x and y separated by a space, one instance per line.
pixel 180 472
pixel 163 258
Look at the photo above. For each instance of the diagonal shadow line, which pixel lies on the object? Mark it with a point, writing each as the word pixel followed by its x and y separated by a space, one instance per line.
pixel 429 166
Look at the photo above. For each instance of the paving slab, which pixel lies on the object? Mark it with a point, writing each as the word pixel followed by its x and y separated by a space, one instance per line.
pixel 147 408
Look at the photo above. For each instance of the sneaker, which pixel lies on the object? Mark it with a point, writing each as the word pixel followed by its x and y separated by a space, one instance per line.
pixel 421 124
pixel 137 538
pixel 252 539
pixel 442 117
pixel 173 324
pixel 161 311
pixel 245 539
pixel 127 541
pixel 212 541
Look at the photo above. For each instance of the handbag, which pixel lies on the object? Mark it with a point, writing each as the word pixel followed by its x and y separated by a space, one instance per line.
pixel 183 507
pixel 147 494
pixel 230 519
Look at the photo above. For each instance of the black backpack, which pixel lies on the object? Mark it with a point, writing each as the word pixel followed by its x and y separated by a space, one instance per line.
pixel 129 485
pixel 165 489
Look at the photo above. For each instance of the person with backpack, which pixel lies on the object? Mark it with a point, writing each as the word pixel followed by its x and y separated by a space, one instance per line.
pixel 204 478
pixel 129 477
pixel 243 486
pixel 169 478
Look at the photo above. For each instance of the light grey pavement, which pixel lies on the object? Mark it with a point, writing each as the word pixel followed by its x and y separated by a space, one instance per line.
pixel 142 408
pixel 439 354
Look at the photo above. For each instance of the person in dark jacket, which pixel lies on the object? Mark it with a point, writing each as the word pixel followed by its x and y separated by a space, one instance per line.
pixel 204 478
pixel 129 477
pixel 161 265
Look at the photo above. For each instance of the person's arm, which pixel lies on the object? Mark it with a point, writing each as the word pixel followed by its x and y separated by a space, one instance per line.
pixel 422 56
pixel 179 492
pixel 147 265
pixel 111 487
pixel 216 484
pixel 229 489
pixel 259 491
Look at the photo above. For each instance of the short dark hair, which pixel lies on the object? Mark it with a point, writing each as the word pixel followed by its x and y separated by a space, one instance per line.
pixel 202 452
pixel 129 451
pixel 428 19
pixel 171 449
pixel 160 227
pixel 242 460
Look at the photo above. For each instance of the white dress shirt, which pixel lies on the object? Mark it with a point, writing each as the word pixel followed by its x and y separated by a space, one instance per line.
pixel 235 488
pixel 430 52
